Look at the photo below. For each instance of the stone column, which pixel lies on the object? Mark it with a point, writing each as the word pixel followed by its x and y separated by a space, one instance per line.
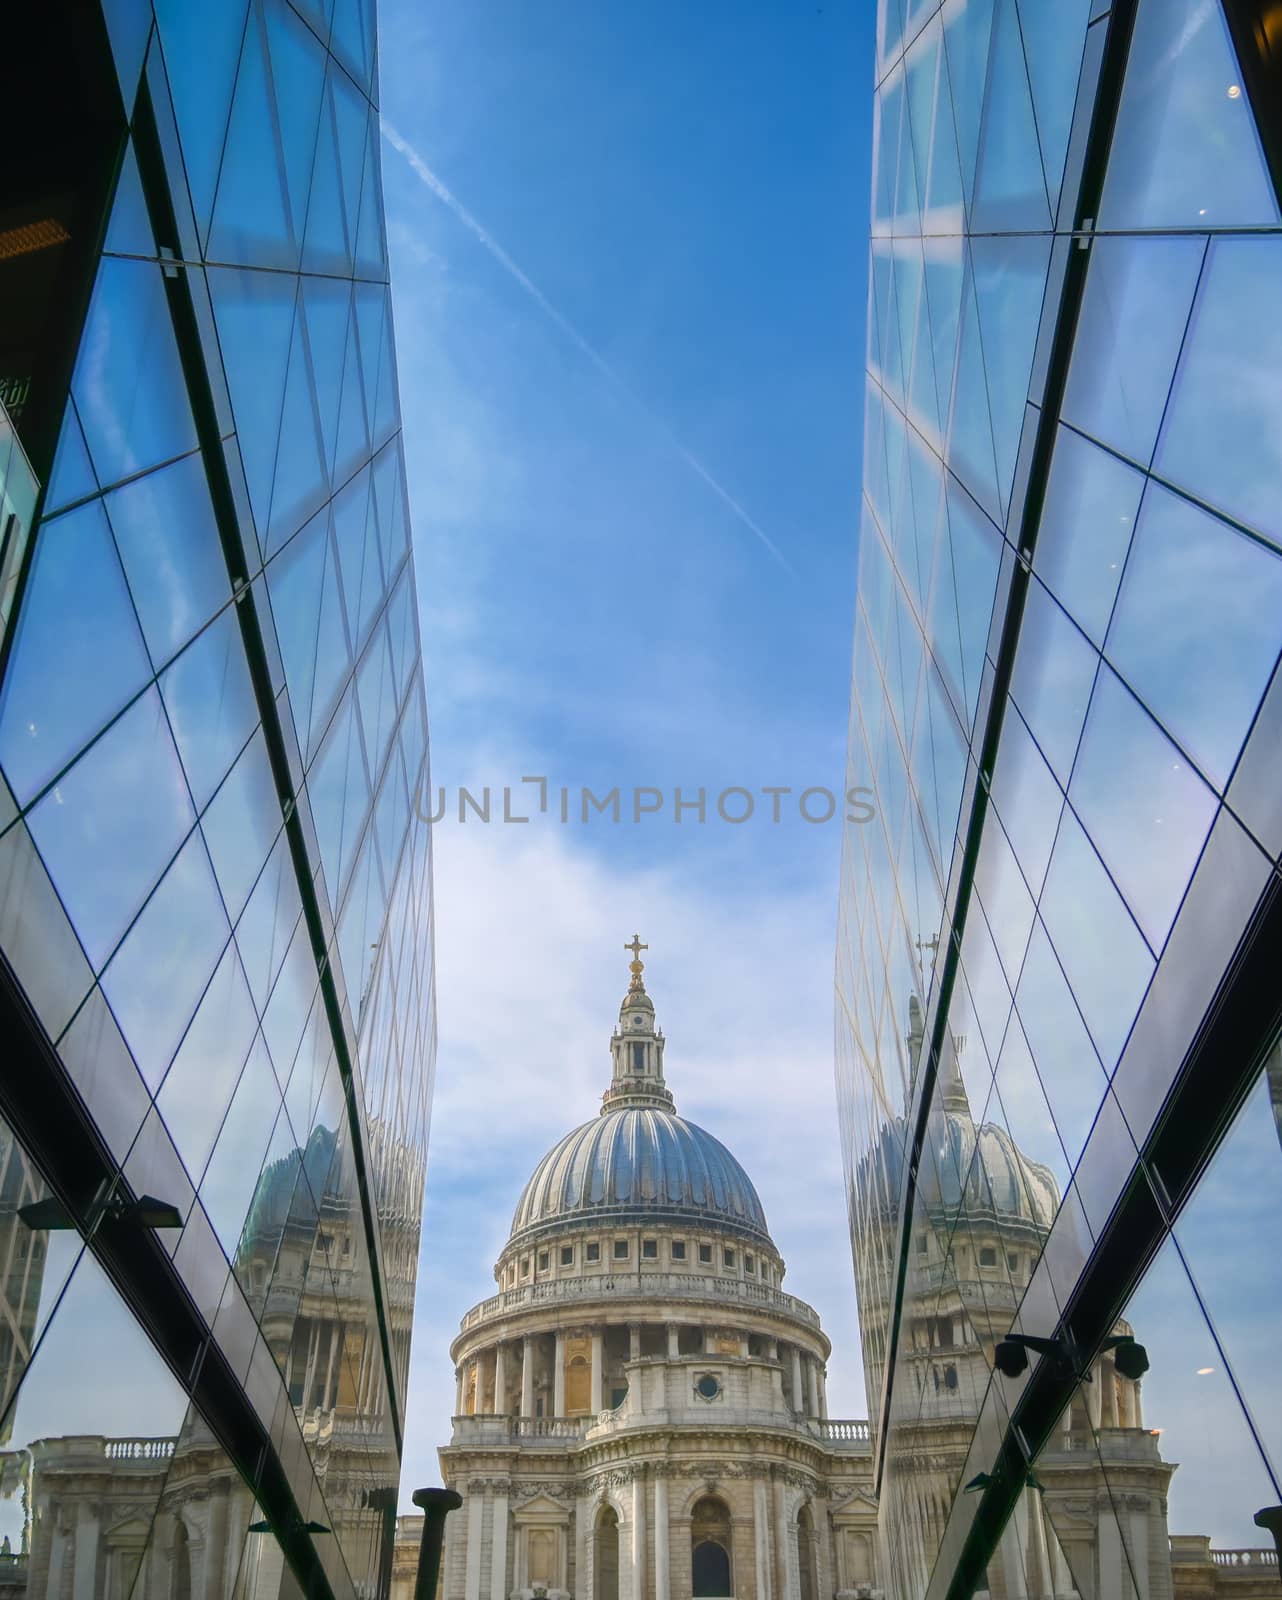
pixel 498 1546
pixel 798 1404
pixel 211 1576
pixel 598 1372
pixel 475 1511
pixel 1108 1395
pixel 577 1583
pixel 674 1341
pixel 782 1534
pixel 761 1539
pixel 662 1581
pixel 500 1379
pixel 558 1377
pixel 812 1385
pixel 634 1340
pixel 1092 1391
pixel 823 1392
pixel 527 1376
pixel 638 1535
pixel 86 1552
pixel 458 1391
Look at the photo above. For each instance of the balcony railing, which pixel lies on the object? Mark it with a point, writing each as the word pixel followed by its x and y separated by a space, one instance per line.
pixel 138 1449
pixel 842 1430
pixel 846 1434
pixel 637 1285
pixel 1245 1558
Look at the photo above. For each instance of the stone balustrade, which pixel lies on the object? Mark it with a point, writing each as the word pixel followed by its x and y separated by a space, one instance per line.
pixel 138 1449
pixel 705 1287
pixel 1244 1558
pixel 844 1430
pixel 837 1433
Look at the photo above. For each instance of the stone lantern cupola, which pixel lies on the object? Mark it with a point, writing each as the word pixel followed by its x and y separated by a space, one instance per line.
pixel 637 1048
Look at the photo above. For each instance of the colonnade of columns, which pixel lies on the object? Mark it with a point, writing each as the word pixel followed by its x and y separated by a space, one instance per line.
pixel 485 1381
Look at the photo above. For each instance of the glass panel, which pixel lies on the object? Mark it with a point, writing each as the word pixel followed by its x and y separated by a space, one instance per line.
pixel 129 387
pixel 1085 530
pixel 1010 275
pixel 96 1401
pixel 199 1086
pixel 1050 1024
pixel 1184 151
pixel 327 306
pixel 77 653
pixel 1145 808
pixel 172 553
pixel 1197 627
pixel 970 439
pixel 1054 37
pixel 967 33
pixel 129 231
pixel 298 78
pixel 156 977
pixel 1231 370
pixel 301 481
pixel 1236 1204
pixel 94 1052
pixel 255 316
pixel 1054 674
pixel 251 224
pixel 112 824
pixel 211 704
pixel 1010 190
pixel 339 794
pixel 231 1177
pixel 267 925
pixel 326 247
pixel 36 1265
pixel 1129 332
pixel 202 46
pixel 72 477
pixel 241 824
pixel 1100 948
pixel 1027 798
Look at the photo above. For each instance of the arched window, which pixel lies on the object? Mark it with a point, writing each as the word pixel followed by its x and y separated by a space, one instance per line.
pixel 710 1547
pixel 606 1555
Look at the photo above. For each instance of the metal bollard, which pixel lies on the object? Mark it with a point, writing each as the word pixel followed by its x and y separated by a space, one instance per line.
pixel 435 1504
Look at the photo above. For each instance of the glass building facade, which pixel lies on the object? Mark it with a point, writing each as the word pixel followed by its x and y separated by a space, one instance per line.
pixel 216 980
pixel 1057 972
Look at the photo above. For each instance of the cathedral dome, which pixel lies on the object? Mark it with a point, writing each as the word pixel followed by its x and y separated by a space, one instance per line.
pixel 639 1163
pixel 978 1164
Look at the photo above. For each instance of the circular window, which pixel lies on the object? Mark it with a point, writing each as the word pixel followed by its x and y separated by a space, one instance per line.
pixel 707 1387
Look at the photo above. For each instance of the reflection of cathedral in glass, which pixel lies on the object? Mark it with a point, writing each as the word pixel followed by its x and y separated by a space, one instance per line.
pixel 1066 699
pixel 103 1501
pixel 985 1210
pixel 217 990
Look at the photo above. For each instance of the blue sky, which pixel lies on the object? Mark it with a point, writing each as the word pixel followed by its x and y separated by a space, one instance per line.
pixel 684 189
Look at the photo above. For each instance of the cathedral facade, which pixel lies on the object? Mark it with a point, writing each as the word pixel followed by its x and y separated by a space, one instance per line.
pixel 641 1410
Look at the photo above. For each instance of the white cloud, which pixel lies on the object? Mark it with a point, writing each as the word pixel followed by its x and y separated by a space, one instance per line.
pixel 531 971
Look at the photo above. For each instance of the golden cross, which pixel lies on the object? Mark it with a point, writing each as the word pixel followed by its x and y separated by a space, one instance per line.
pixel 636 947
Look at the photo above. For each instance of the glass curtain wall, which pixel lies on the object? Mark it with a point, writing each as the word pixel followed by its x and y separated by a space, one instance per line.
pixel 215 906
pixel 1053 1005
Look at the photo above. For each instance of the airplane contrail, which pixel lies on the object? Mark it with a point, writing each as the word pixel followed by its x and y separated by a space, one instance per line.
pixel 448 198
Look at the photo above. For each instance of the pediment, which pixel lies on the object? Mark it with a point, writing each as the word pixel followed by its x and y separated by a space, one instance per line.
pixel 859 1506
pixel 130 1530
pixel 543 1508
